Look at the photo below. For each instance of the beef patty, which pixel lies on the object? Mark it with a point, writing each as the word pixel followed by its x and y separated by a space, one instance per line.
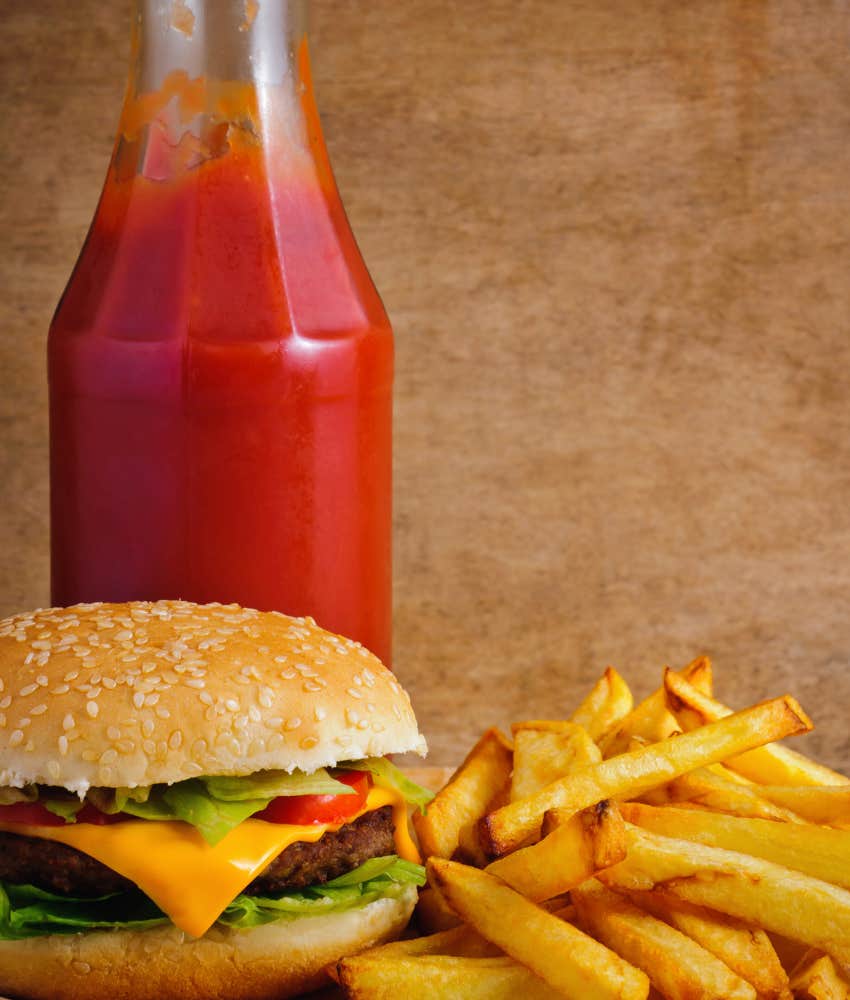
pixel 66 871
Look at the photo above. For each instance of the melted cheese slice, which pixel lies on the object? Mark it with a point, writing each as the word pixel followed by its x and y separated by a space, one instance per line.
pixel 189 879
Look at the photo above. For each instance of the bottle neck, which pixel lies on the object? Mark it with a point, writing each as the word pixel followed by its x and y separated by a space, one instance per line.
pixel 208 76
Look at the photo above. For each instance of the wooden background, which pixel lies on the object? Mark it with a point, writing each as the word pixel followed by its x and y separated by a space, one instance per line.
pixel 614 242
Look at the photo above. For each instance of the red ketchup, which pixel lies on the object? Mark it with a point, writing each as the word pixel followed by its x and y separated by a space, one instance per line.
pixel 221 371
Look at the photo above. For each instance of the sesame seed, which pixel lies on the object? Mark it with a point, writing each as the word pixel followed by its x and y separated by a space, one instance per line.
pixel 68 722
pixel 232 705
pixel 63 744
pixel 92 709
pixel 16 738
pixel 291 724
pixel 109 756
pixel 363 724
pixel 28 690
pixel 161 712
pixel 114 733
pixel 196 682
pixel 148 726
pixel 42 644
pixel 354 693
pixel 6 702
pixel 138 699
pixel 39 709
pixel 266 697
pixel 308 742
pixel 319 713
pixel 41 680
pixel 60 689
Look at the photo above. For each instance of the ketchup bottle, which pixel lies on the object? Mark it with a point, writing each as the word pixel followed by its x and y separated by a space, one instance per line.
pixel 220 363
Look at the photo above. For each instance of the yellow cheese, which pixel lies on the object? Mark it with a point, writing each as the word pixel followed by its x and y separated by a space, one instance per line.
pixel 189 879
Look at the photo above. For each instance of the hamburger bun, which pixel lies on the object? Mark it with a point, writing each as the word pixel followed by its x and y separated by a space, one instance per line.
pixel 122 695
pixel 145 693
pixel 278 960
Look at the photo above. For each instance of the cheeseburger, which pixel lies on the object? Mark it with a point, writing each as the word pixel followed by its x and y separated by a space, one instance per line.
pixel 195 802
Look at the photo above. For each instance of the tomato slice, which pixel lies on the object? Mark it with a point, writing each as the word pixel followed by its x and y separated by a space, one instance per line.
pixel 91 814
pixel 35 814
pixel 305 810
pixel 32 813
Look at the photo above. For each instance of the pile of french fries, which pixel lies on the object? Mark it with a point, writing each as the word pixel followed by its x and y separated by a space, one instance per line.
pixel 669 849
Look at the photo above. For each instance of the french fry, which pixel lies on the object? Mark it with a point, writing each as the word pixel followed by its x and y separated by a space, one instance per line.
pixel 826 804
pixel 767 765
pixel 706 787
pixel 546 751
pixel 461 941
pixel 761 892
pixel 817 851
pixel 465 798
pixel 571 962
pixel 439 977
pixel 631 774
pixel 817 978
pixel 572 849
pixel 433 914
pixel 607 704
pixel 745 949
pixel 651 719
pixel 677 966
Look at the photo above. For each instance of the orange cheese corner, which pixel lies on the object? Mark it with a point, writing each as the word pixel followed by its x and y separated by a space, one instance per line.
pixel 190 880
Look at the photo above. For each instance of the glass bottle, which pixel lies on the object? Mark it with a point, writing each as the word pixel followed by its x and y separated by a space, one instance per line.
pixel 220 364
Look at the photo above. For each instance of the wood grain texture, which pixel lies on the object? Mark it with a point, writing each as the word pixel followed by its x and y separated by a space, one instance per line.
pixel 613 240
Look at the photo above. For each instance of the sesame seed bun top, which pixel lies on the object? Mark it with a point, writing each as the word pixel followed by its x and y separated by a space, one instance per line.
pixel 143 693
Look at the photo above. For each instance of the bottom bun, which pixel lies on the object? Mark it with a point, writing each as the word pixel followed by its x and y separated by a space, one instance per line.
pixel 270 962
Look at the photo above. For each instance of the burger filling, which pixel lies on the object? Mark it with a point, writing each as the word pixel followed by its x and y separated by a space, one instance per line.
pixel 47 886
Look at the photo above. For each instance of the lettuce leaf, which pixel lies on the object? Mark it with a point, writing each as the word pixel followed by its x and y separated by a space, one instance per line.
pixel 9 796
pixel 270 784
pixel 216 805
pixel 376 878
pixel 67 808
pixel 26 911
pixel 386 774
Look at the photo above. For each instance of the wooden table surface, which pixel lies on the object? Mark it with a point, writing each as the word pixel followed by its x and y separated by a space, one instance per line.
pixel 614 241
